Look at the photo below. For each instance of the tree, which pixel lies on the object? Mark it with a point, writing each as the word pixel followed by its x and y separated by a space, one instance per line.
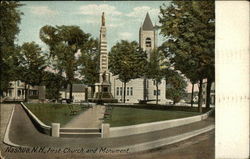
pixel 155 69
pixel 176 86
pixel 190 32
pixel 127 60
pixel 64 43
pixel 31 65
pixel 90 60
pixel 53 82
pixel 10 19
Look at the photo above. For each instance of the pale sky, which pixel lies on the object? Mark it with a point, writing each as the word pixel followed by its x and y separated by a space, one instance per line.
pixel 123 18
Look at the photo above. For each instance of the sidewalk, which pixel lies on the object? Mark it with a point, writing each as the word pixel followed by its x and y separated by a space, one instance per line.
pixel 6 110
pixel 88 119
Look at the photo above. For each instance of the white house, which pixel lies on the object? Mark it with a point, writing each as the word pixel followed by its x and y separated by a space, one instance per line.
pixel 16 91
pixel 78 93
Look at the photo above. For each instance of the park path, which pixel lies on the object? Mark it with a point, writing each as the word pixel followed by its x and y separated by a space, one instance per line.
pixel 87 119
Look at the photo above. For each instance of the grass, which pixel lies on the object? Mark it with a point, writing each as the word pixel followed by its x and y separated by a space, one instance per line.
pixel 131 116
pixel 53 113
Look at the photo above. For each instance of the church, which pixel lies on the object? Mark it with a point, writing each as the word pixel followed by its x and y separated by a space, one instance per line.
pixel 141 89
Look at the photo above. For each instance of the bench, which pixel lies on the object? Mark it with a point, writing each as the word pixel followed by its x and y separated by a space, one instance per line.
pixel 73 111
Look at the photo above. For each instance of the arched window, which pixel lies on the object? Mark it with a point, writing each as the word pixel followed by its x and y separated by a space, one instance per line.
pixel 148 42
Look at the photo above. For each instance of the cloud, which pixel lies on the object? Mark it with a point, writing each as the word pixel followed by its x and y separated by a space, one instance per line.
pixel 91 21
pixel 94 9
pixel 114 25
pixel 42 10
pixel 125 36
pixel 139 12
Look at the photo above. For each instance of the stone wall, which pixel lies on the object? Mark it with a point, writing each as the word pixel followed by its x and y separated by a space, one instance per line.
pixel 155 126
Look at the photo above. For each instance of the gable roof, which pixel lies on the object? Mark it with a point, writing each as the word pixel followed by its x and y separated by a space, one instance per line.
pixel 147 24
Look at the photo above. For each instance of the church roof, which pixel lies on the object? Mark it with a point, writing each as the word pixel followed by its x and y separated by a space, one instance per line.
pixel 147 24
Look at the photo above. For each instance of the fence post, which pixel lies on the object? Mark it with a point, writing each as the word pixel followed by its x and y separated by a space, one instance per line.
pixel 105 130
pixel 55 129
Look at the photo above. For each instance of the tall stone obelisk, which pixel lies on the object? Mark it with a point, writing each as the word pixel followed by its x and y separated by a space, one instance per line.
pixel 103 88
pixel 103 52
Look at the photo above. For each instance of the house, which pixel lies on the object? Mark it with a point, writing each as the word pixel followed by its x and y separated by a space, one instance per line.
pixel 78 93
pixel 16 91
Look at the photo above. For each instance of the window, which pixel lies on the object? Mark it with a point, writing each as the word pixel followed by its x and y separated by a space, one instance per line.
pixel 131 91
pixel 154 82
pixel 148 42
pixel 117 91
pixel 120 91
pixel 127 91
pixel 10 92
pixel 19 93
pixel 159 92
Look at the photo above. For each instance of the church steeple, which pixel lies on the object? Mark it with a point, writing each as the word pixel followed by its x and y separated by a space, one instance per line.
pixel 147 24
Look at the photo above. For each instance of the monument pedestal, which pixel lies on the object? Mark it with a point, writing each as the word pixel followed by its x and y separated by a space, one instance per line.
pixel 103 94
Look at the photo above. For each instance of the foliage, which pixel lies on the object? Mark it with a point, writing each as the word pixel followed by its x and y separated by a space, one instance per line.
pixel 9 20
pixel 90 61
pixel 190 32
pixel 127 60
pixel 155 68
pixel 31 64
pixel 176 86
pixel 64 43
pixel 53 82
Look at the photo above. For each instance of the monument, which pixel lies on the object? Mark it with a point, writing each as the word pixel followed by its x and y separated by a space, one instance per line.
pixel 102 91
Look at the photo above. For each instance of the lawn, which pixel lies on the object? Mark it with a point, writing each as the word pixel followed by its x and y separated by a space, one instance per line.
pixel 131 116
pixel 53 113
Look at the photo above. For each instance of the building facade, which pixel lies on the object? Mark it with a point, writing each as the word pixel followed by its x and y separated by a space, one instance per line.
pixel 141 88
pixel 78 93
pixel 16 91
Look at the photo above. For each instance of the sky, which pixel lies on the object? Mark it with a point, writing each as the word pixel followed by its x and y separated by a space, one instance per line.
pixel 123 18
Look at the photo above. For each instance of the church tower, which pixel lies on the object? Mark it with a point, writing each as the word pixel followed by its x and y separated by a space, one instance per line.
pixel 147 41
pixel 148 35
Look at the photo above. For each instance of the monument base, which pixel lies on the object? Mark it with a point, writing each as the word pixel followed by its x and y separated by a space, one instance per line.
pixel 102 94
pixel 102 101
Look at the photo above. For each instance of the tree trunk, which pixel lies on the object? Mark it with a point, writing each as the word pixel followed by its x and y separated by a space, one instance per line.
pixel 208 91
pixel 200 96
pixel 124 92
pixel 156 85
pixel 25 93
pixel 192 95
pixel 70 92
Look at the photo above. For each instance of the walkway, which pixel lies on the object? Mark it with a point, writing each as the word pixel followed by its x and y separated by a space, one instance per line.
pixel 6 110
pixel 87 119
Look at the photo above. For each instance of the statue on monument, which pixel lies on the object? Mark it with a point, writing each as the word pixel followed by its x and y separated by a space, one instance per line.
pixel 103 19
